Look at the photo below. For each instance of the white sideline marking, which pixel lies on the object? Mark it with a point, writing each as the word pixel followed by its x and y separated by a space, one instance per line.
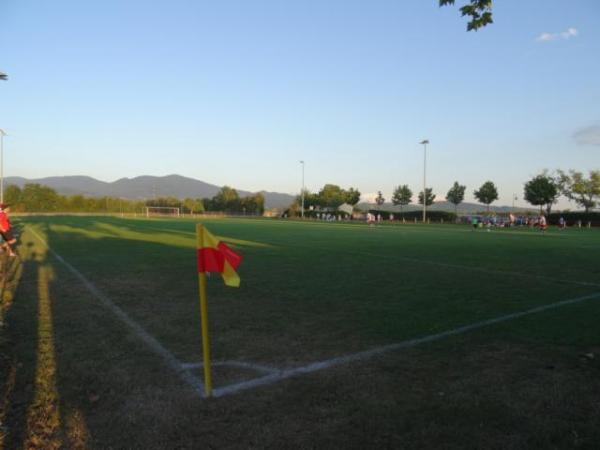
pixel 478 269
pixel 326 364
pixel 154 345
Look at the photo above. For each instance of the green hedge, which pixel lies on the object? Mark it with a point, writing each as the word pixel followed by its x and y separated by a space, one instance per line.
pixel 313 214
pixel 573 217
pixel 409 216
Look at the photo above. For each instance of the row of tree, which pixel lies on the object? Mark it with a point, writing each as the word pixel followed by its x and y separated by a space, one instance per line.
pixel 39 198
pixel 330 196
pixel 228 200
pixel 543 190
pixel 402 195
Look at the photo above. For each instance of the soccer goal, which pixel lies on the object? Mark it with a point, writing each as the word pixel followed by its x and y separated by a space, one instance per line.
pixel 153 211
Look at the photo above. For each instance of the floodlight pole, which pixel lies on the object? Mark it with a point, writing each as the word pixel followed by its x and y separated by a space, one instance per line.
pixel 302 209
pixel 4 77
pixel 2 134
pixel 424 142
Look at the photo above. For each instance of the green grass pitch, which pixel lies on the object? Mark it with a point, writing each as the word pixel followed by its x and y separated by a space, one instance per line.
pixel 316 290
pixel 310 292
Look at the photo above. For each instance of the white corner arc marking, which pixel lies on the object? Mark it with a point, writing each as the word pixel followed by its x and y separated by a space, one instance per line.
pixel 171 361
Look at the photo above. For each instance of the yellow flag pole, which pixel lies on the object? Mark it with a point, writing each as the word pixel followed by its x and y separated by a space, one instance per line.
pixel 204 318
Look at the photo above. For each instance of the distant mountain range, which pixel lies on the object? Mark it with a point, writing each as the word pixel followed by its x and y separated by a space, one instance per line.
pixel 143 188
pixel 147 187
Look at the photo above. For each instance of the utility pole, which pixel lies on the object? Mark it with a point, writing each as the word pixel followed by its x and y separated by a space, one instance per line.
pixel 424 142
pixel 4 77
pixel 302 209
pixel 2 134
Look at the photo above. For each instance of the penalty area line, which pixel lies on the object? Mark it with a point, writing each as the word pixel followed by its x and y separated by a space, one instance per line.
pixel 361 356
pixel 477 269
pixel 171 361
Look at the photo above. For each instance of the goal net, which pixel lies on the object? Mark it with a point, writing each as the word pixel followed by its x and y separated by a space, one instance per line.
pixel 153 211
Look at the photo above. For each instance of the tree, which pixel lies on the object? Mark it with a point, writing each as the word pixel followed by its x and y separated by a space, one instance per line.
pixel 402 196
pixel 486 194
pixel 582 190
pixel 331 196
pixel 379 199
pixel 352 196
pixel 310 199
pixel 36 197
pixel 227 199
pixel 12 196
pixel 541 190
pixel 253 204
pixel 430 197
pixel 77 203
pixel 480 12
pixel 193 205
pixel 456 195
pixel 259 201
pixel 208 204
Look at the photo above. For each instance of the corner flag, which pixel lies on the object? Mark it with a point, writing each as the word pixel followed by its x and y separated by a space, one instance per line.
pixel 215 256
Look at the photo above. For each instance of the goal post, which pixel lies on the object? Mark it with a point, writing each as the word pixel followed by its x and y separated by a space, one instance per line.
pixel 162 211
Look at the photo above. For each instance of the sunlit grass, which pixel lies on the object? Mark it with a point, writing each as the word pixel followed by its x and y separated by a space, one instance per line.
pixel 77 430
pixel 100 230
pixel 46 425
pixel 43 417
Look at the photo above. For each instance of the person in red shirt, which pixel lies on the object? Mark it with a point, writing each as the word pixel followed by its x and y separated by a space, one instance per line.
pixel 6 230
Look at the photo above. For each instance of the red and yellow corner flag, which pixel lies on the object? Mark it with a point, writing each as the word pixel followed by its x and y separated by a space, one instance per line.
pixel 215 256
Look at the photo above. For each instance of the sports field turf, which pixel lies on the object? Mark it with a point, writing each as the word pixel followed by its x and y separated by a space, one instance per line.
pixel 310 292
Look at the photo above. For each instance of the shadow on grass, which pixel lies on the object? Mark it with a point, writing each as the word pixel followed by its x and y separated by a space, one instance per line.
pixel 31 410
pixel 75 376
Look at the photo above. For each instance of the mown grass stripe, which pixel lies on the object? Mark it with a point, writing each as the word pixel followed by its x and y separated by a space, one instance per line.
pixel 360 356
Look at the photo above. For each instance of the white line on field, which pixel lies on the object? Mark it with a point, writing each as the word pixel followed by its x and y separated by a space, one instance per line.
pixel 275 375
pixel 148 339
pixel 237 364
pixel 478 269
pixel 326 364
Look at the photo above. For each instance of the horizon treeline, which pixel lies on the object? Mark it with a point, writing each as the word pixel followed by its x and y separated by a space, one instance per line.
pixel 543 190
pixel 35 197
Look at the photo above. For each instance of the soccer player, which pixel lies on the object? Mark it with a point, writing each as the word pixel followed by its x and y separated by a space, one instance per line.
pixel 543 224
pixel 6 230
pixel 370 219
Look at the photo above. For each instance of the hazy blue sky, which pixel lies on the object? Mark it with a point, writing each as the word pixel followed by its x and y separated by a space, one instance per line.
pixel 237 92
